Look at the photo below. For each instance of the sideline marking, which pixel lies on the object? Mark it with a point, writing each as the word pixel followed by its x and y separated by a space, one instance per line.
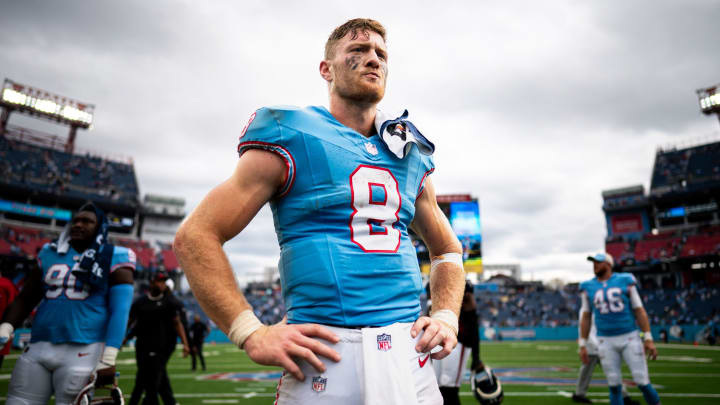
pixel 679 346
pixel 685 359
pixel 463 393
pixel 552 348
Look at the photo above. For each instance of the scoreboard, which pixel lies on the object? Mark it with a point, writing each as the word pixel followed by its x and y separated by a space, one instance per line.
pixel 463 212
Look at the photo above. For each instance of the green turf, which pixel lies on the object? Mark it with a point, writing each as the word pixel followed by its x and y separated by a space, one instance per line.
pixel 685 375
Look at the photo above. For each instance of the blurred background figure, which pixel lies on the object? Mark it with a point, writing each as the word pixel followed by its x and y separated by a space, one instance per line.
pixel 8 292
pixel 155 322
pixel 198 331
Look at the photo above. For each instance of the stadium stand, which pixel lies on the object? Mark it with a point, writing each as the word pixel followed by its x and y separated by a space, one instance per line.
pixel 32 163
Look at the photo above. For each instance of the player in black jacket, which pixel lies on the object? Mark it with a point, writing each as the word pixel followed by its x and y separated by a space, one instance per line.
pixel 451 370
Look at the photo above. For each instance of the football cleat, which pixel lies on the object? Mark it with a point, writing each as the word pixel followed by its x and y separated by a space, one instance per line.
pixel 486 387
pixel 100 395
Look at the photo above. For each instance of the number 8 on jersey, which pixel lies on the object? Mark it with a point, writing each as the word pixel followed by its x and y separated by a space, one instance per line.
pixel 376 203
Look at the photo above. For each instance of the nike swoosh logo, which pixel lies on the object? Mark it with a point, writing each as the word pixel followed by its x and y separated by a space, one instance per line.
pixel 422 362
pixel 82 354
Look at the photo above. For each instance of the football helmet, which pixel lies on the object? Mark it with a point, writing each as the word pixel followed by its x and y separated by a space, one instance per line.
pixel 100 395
pixel 486 387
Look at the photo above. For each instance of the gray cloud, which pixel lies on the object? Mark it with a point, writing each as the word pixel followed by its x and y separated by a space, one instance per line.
pixel 535 108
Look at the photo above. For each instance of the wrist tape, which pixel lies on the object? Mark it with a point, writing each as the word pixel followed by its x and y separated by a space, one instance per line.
pixel 446 258
pixel 109 355
pixel 582 342
pixel 448 317
pixel 243 326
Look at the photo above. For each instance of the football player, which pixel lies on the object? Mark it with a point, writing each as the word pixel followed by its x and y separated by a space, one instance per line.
pixel 614 301
pixel 586 369
pixel 84 286
pixel 343 192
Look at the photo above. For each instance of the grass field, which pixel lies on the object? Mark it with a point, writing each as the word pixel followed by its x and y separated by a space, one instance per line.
pixel 532 373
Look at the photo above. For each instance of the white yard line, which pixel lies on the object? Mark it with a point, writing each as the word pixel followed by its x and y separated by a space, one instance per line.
pixel 464 393
pixel 689 347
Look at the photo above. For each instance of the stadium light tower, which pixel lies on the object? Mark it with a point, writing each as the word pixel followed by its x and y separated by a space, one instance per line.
pixel 709 99
pixel 32 101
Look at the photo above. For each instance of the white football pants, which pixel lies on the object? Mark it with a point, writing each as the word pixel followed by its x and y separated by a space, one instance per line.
pixel 378 366
pixel 45 368
pixel 613 349
pixel 451 370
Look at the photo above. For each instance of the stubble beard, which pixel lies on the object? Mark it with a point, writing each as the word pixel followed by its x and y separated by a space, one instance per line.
pixel 360 93
pixel 355 89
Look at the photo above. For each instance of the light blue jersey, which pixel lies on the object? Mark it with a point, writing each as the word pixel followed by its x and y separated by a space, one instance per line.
pixel 71 312
pixel 610 303
pixel 341 219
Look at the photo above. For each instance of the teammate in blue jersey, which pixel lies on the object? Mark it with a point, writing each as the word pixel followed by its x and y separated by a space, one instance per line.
pixel 344 185
pixel 84 288
pixel 614 301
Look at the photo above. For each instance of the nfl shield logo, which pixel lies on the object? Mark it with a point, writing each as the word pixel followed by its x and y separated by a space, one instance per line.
pixel 384 342
pixel 318 384
pixel 372 149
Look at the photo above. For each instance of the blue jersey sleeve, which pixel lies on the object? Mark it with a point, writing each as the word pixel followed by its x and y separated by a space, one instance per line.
pixel 428 166
pixel 263 132
pixel 122 257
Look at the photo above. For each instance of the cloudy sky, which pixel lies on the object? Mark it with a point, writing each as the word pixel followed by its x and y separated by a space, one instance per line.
pixel 535 107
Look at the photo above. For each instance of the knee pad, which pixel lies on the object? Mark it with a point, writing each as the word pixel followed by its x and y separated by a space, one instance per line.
pixel 613 377
pixel 13 400
pixel 640 377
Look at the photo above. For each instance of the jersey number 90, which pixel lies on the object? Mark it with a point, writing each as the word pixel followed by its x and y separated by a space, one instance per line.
pixel 60 280
pixel 376 203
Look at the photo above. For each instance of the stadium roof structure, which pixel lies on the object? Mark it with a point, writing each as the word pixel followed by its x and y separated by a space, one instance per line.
pixel 623 191
pixel 42 103
pixel 709 100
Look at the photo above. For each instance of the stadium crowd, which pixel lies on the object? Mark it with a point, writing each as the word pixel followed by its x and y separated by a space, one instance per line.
pixel 532 306
pixel 503 306
pixel 49 170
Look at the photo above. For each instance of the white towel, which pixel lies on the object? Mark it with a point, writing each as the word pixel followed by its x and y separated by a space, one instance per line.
pixel 399 134
pixel 62 245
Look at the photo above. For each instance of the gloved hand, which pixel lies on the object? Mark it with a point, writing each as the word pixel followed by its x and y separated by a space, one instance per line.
pixel 105 369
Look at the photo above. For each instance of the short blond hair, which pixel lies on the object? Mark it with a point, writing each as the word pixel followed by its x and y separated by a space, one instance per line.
pixel 353 26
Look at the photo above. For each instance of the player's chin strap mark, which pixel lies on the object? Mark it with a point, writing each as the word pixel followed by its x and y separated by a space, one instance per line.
pixel 399 134
pixel 243 326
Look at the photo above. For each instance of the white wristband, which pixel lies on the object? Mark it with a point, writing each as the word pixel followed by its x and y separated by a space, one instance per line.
pixel 446 258
pixel 447 316
pixel 109 356
pixel 582 342
pixel 243 326
pixel 647 336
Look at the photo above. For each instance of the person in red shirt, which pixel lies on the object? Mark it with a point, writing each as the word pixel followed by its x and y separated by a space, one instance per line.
pixel 8 292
